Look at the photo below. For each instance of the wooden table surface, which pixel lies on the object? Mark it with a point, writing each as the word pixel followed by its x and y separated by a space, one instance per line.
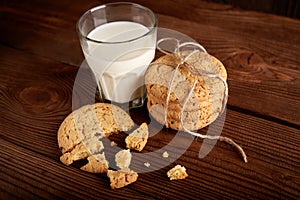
pixel 40 56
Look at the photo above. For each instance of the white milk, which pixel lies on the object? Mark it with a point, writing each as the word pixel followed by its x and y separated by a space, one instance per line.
pixel 119 66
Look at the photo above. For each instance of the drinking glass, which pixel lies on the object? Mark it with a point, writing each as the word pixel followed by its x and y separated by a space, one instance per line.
pixel 118 41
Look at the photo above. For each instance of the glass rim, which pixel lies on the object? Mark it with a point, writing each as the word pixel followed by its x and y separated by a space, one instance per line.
pixel 153 27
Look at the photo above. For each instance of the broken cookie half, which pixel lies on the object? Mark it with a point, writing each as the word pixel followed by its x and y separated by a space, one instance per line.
pixel 79 136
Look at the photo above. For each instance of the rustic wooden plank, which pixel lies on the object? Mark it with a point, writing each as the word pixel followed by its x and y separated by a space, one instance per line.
pixel 35 93
pixel 246 22
pixel 5 194
pixel 265 60
pixel 229 20
pixel 44 28
pixel 288 8
pixel 26 174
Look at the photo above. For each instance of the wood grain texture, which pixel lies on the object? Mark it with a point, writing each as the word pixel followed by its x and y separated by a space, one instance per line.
pixel 36 94
pixel 37 177
pixel 39 61
pixel 290 8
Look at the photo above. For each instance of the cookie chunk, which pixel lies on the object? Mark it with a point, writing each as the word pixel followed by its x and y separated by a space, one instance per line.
pixel 82 150
pixel 96 164
pixel 123 159
pixel 177 172
pixel 119 179
pixel 138 138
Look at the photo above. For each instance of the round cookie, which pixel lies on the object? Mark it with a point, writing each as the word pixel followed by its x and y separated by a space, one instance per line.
pixel 205 103
pixel 79 135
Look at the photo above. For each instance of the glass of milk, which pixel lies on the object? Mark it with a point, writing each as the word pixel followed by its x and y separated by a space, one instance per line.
pixel 118 41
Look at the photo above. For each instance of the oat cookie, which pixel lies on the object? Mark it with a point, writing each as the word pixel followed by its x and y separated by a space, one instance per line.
pixel 138 138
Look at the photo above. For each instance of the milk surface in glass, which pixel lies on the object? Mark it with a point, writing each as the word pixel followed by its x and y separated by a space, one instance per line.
pixel 120 58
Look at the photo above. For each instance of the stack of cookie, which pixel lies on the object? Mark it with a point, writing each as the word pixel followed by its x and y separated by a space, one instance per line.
pixel 169 81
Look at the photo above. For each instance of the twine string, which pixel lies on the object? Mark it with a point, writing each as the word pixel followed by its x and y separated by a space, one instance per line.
pixel 183 62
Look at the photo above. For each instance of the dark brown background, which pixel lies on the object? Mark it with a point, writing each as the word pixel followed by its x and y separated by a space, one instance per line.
pixel 289 8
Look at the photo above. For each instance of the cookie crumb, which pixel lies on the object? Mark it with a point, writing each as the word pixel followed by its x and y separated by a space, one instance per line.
pixel 177 172
pixel 165 154
pixel 147 164
pixel 113 143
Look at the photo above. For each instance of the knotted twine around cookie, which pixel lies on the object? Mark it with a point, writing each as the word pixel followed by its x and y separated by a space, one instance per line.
pixel 183 54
